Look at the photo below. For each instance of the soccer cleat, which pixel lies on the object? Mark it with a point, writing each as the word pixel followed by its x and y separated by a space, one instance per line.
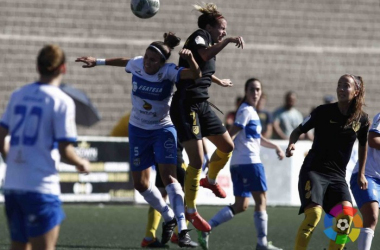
pixel 154 243
pixel 167 230
pixel 174 240
pixel 216 189
pixel 198 222
pixel 203 239
pixel 184 239
pixel 269 246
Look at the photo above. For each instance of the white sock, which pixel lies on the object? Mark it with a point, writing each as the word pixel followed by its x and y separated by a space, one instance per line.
pixel 153 196
pixel 211 181
pixel 261 223
pixel 176 195
pixel 365 238
pixel 224 215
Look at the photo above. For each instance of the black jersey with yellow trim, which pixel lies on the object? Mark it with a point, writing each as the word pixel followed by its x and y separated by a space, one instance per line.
pixel 197 89
pixel 333 140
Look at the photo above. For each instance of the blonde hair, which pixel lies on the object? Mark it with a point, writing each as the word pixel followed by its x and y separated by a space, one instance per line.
pixel 210 15
pixel 49 59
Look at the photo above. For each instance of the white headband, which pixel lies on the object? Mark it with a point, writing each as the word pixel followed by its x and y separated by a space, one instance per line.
pixel 158 50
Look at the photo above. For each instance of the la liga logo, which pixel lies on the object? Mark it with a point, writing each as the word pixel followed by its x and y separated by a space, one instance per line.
pixel 342 224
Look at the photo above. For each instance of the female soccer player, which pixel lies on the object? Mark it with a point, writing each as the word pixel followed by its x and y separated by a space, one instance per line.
pixel 247 171
pixel 152 136
pixel 38 116
pixel 322 181
pixel 368 200
pixel 192 114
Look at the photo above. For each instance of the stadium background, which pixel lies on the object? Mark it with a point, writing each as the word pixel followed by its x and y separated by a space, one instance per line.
pixel 297 45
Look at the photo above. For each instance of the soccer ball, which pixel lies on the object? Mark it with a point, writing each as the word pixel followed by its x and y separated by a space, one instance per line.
pixel 145 8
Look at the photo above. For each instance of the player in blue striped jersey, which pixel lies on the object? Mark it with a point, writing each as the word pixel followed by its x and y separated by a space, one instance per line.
pixel 152 136
pixel 40 119
pixel 247 171
pixel 368 200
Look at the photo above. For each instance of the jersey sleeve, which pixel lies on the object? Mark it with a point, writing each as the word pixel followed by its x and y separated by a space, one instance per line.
pixel 173 72
pixel 130 67
pixel 363 131
pixel 200 39
pixel 64 121
pixel 310 121
pixel 242 117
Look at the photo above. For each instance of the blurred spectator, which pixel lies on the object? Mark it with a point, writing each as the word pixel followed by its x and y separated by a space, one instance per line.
pixel 230 116
pixel 265 116
pixel 121 127
pixel 286 118
pixel 329 99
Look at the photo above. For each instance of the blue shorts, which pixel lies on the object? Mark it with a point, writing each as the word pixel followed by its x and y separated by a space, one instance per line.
pixel 31 214
pixel 148 147
pixel 248 178
pixel 364 196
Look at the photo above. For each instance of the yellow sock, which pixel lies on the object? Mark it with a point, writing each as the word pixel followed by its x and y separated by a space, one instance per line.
pixel 217 162
pixel 154 218
pixel 192 178
pixel 342 235
pixel 312 217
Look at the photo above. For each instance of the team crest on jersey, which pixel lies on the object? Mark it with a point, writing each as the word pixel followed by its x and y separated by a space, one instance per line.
pixel 200 40
pixel 355 126
pixel 147 106
pixel 195 130
pixel 134 86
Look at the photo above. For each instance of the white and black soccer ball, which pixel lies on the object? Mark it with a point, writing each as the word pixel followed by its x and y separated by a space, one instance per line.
pixel 145 8
pixel 342 224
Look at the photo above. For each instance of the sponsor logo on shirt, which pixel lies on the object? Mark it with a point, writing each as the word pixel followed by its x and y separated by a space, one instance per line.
pixel 147 105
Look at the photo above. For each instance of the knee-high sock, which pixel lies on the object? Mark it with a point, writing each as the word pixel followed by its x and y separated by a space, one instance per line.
pixel 312 217
pixel 261 224
pixel 192 178
pixel 365 238
pixel 224 215
pixel 153 196
pixel 217 162
pixel 342 235
pixel 176 194
pixel 154 218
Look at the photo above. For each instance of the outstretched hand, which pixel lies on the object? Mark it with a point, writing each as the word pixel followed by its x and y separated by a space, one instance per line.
pixel 239 42
pixel 186 54
pixel 280 153
pixel 289 150
pixel 88 60
pixel 226 83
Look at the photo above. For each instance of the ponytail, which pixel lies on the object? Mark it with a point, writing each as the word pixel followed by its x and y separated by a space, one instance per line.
pixel 164 48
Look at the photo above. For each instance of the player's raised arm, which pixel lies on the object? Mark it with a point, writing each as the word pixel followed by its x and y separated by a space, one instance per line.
pixel 194 72
pixel 90 62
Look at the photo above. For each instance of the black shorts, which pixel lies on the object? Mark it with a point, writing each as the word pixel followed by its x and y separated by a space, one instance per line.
pixel 325 190
pixel 195 120
pixel 180 171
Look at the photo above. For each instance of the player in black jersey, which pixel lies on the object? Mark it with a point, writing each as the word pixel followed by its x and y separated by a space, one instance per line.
pixel 192 114
pixel 322 181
